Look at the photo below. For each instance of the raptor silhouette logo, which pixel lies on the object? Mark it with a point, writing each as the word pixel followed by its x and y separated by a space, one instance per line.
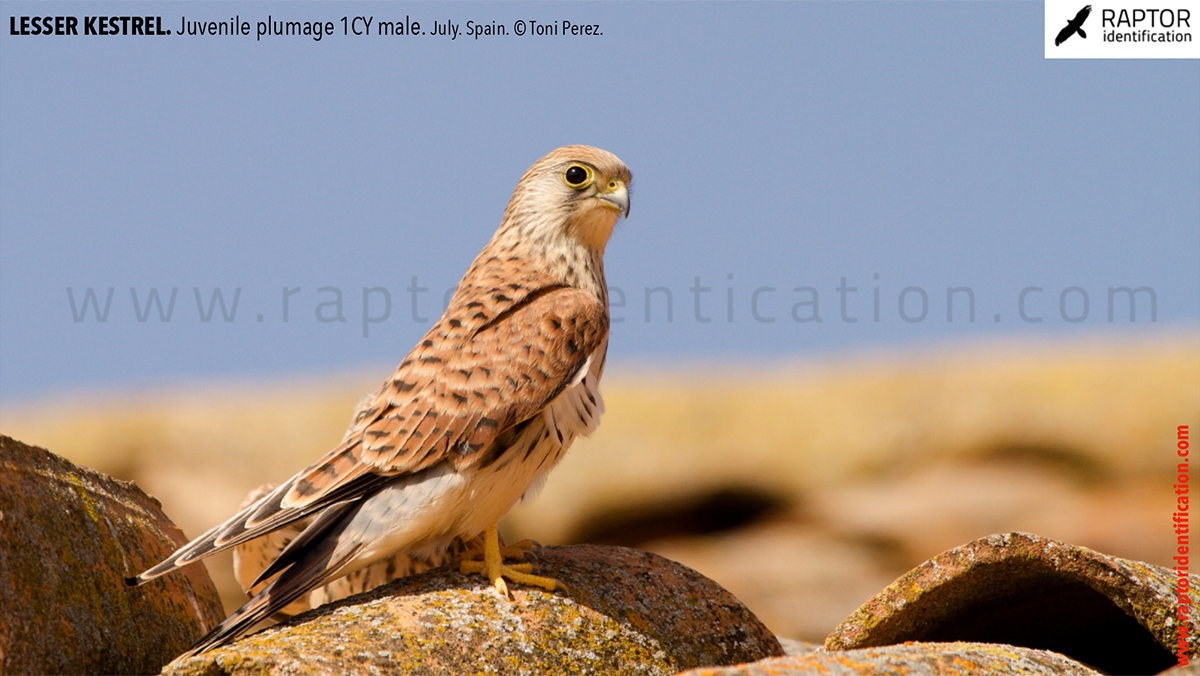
pixel 1074 26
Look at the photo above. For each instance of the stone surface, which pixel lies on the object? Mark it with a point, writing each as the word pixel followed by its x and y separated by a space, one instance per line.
pixel 793 647
pixel 68 538
pixel 1114 614
pixel 1190 669
pixel 926 659
pixel 627 612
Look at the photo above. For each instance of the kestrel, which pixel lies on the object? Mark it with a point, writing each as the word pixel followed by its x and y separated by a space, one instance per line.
pixel 474 417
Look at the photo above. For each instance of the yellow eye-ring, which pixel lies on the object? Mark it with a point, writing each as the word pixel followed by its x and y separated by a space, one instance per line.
pixel 578 176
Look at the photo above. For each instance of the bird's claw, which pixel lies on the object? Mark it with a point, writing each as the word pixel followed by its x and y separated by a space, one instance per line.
pixel 489 562
pixel 518 550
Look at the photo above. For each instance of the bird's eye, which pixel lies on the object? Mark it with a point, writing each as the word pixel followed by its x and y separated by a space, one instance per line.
pixel 578 176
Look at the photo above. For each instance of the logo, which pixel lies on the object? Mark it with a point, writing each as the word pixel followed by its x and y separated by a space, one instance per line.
pixel 1074 26
pixel 1121 29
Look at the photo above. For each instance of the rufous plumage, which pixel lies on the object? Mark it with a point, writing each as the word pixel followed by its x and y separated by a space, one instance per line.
pixel 475 416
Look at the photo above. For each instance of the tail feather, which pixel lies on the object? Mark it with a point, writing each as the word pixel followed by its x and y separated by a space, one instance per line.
pixel 263 516
pixel 294 551
pixel 316 567
pixel 204 545
pixel 259 518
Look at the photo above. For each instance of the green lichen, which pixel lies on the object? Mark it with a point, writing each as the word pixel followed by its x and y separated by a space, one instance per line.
pixel 66 545
pixel 84 493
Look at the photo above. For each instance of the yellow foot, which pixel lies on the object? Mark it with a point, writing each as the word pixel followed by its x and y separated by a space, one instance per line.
pixel 491 564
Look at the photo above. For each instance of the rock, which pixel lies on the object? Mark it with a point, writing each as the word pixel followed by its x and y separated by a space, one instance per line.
pixel 927 659
pixel 800 580
pixel 68 538
pixel 1020 589
pixel 627 612
pixel 1189 669
pixel 792 646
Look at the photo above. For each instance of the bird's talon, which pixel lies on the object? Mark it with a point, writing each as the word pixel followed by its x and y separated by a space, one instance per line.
pixel 488 561
pixel 517 550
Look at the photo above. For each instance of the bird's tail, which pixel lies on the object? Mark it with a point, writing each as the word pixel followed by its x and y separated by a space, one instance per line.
pixel 266 514
pixel 1081 33
pixel 218 538
pixel 327 559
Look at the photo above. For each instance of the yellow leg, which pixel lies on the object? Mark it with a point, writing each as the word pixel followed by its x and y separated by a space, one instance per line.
pixel 493 567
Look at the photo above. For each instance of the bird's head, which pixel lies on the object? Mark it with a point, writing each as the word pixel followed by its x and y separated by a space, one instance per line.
pixel 576 191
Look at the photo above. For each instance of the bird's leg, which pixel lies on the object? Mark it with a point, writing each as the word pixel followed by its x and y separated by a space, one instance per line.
pixel 472 557
pixel 492 565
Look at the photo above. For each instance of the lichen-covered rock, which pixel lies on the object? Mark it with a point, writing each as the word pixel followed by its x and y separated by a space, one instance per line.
pixel 926 659
pixel 627 612
pixel 68 537
pixel 1020 589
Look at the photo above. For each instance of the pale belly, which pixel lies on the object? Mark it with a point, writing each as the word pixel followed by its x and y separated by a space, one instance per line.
pixel 422 514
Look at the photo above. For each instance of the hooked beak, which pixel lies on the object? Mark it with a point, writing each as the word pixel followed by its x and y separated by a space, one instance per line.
pixel 615 195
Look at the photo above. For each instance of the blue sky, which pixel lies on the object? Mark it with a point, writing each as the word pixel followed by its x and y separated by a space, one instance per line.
pixel 777 148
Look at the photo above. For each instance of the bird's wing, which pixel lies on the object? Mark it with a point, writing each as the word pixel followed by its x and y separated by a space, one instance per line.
pixel 251 558
pixel 448 400
pixel 506 372
pixel 510 370
pixel 259 518
pixel 320 563
pixel 1082 15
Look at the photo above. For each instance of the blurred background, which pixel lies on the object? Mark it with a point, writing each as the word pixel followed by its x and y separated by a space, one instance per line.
pixel 803 486
pixel 891 281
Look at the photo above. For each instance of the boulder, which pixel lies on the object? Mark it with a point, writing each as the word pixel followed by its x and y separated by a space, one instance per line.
pixel 1114 614
pixel 626 612
pixel 68 538
pixel 927 659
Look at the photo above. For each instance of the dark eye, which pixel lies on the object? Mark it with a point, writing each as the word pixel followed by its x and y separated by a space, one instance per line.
pixel 577 176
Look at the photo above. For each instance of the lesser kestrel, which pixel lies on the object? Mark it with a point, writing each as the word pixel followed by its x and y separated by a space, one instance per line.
pixel 473 418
